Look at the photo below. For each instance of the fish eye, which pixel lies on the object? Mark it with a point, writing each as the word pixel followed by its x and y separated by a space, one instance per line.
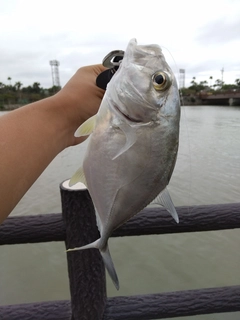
pixel 161 81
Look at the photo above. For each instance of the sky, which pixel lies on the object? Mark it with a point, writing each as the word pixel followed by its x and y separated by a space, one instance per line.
pixel 201 37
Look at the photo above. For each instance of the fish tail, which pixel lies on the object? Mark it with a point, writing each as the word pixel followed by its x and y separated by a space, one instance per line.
pixel 109 265
pixel 105 253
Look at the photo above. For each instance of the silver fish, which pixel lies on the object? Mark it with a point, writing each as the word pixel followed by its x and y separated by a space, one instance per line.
pixel 133 143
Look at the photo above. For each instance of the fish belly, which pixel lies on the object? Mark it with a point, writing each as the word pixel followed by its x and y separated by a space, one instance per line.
pixel 120 188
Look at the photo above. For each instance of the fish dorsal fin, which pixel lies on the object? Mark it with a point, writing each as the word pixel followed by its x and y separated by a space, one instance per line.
pixel 164 199
pixel 131 138
pixel 78 177
pixel 86 128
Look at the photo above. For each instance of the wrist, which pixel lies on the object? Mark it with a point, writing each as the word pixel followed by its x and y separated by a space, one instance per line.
pixel 60 116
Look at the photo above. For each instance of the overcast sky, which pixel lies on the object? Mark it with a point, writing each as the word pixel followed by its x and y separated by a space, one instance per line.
pixel 202 36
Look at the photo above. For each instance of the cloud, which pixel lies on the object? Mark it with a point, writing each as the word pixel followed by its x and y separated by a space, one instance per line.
pixel 218 32
pixel 33 36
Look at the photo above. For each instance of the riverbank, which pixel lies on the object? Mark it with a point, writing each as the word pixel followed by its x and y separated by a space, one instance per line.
pixel 191 100
pixel 223 99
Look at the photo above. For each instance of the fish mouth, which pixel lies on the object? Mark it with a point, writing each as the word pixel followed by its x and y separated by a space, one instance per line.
pixel 126 116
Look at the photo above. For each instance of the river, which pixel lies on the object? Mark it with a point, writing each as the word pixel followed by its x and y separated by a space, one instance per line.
pixel 207 172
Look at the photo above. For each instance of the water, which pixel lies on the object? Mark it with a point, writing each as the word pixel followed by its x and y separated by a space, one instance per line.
pixel 207 172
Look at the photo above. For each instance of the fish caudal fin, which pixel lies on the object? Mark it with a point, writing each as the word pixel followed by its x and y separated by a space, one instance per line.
pixel 105 253
pixel 164 199
pixel 110 266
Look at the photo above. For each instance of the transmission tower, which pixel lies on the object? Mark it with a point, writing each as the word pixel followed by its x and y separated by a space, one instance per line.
pixel 181 78
pixel 222 70
pixel 55 73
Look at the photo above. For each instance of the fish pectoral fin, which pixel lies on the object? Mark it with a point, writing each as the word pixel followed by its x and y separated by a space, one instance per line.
pixel 131 138
pixel 109 265
pixel 164 199
pixel 86 128
pixel 78 177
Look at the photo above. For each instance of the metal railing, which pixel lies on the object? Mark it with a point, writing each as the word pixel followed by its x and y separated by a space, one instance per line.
pixel 77 226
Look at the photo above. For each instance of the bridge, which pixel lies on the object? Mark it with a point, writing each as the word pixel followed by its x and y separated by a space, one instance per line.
pixel 228 98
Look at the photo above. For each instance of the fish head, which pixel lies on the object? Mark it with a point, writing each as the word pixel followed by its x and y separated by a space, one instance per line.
pixel 144 88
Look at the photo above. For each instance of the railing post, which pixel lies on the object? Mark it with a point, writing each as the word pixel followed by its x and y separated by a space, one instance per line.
pixel 85 268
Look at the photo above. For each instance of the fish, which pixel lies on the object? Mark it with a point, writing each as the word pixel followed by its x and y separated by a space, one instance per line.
pixel 133 144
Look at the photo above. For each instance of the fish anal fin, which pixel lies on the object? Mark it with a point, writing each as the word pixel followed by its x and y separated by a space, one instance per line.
pixel 164 199
pixel 131 138
pixel 86 128
pixel 78 177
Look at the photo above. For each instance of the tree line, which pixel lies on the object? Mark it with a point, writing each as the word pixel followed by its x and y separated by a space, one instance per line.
pixel 17 94
pixel 218 86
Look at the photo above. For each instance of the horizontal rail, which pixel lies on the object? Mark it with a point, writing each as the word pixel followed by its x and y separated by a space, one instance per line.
pixel 88 294
pixel 174 304
pixel 32 229
pixel 50 310
pixel 50 227
pixel 141 307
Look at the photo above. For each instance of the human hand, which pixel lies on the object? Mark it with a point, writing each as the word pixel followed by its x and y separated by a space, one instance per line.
pixel 80 97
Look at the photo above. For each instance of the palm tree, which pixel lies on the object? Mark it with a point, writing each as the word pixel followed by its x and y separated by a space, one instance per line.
pixel 193 81
pixel 18 85
pixel 218 84
pixel 36 87
pixel 9 79
pixel 237 81
pixel 203 83
pixel 210 78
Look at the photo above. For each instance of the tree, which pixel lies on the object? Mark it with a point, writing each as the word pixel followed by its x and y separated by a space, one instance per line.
pixel 229 87
pixel 203 83
pixel 9 79
pixel 18 85
pixel 237 81
pixel 218 84
pixel 197 87
pixel 54 90
pixel 36 87
pixel 210 78
pixel 27 89
pixel 193 81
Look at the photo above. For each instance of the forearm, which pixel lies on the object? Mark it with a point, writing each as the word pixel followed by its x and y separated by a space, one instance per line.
pixel 30 138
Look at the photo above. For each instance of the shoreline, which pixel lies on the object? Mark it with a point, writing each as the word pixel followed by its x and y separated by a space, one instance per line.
pixel 183 104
